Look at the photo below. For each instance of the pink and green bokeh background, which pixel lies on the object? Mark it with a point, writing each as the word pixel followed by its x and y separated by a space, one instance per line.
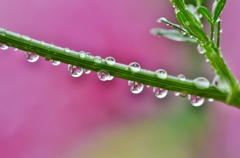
pixel 46 113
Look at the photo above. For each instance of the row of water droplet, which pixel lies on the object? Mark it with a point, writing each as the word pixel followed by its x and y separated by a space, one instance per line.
pixel 134 86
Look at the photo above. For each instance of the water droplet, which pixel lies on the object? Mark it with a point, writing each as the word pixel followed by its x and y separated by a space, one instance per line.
pixel 161 19
pixel 183 94
pixel 176 93
pixel 103 75
pixel 89 55
pixel 97 59
pixel 220 30
pixel 134 66
pixel 218 19
pixel 110 60
pixel 82 54
pixel 210 99
pixel 67 50
pixel 3 46
pixel 215 81
pixel 55 63
pixel 15 49
pixel 86 71
pixel 2 32
pixel 181 77
pixel 200 49
pixel 135 87
pixel 161 73
pixel 26 38
pixel 110 78
pixel 201 83
pixel 196 100
pixel 176 10
pixel 160 92
pixel 207 60
pixel 75 71
pixel 31 57
pixel 148 86
pixel 47 57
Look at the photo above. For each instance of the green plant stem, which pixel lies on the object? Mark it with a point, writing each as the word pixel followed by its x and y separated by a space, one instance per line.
pixel 211 31
pixel 49 51
pixel 218 33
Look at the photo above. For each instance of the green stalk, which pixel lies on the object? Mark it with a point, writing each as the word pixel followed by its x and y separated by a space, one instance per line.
pixel 218 33
pixel 119 70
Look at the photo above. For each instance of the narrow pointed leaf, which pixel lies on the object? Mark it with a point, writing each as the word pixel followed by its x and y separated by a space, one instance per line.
pixel 171 34
pixel 218 9
pixel 198 2
pixel 170 24
pixel 205 13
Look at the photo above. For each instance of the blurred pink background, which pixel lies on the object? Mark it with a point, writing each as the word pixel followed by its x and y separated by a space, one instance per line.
pixel 46 113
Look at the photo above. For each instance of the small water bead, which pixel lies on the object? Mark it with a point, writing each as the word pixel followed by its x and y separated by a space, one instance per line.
pixel 135 87
pixel 3 46
pixel 161 73
pixel 183 94
pixel 97 59
pixel 161 19
pixel 221 31
pixel 215 81
pixel 176 93
pixel 26 38
pixel 196 100
pixel 201 83
pixel 210 99
pixel 103 75
pixel 160 92
pixel 110 78
pixel 82 54
pixel 110 60
pixel 207 60
pixel 86 71
pixel 200 49
pixel 31 57
pixel 134 66
pixel 67 50
pixel 89 55
pixel 75 71
pixel 181 77
pixel 55 63
pixel 15 49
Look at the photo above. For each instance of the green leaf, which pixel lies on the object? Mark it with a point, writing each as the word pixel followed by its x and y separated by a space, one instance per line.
pixel 171 34
pixel 217 9
pixel 205 13
pixel 171 24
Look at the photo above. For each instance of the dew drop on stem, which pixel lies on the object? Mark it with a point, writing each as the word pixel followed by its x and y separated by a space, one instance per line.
pixel 201 83
pixel 134 66
pixel 97 59
pixel 200 49
pixel 103 75
pixel 135 87
pixel 161 73
pixel 75 71
pixel 3 46
pixel 181 77
pixel 55 63
pixel 86 71
pixel 176 93
pixel 82 54
pixel 31 57
pixel 110 60
pixel 160 92
pixel 196 100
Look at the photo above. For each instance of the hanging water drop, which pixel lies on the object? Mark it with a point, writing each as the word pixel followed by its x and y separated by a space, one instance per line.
pixel 181 77
pixel 86 71
pixel 176 93
pixel 55 63
pixel 31 57
pixel 110 78
pixel 200 49
pixel 135 87
pixel 161 19
pixel 196 100
pixel 160 92
pixel 75 71
pixel 134 66
pixel 201 83
pixel 15 49
pixel 220 31
pixel 110 60
pixel 210 99
pixel 3 46
pixel 103 75
pixel 183 94
pixel 161 73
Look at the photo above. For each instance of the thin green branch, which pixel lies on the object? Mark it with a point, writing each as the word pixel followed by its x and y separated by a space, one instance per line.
pixel 218 33
pixel 119 70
